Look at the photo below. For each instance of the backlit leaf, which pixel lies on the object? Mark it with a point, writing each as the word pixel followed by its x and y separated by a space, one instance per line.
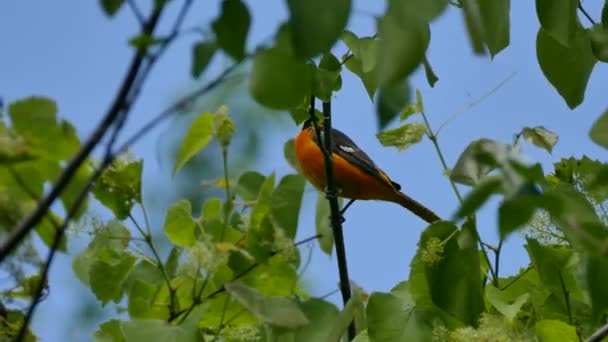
pixel 199 135
pixel 541 137
pixel 391 100
pixel 549 330
pixel 286 201
pixel 558 19
pixel 179 225
pixel 202 53
pixel 402 137
pixel 279 311
pixel 323 224
pixel 119 187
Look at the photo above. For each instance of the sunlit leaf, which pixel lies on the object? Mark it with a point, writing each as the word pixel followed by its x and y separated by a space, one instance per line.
pixel 569 82
pixel 109 331
pixel 279 311
pixel 549 330
pixel 199 135
pixel 202 53
pixel 322 317
pixel 119 187
pixel 402 137
pixel 278 80
pixel 395 318
pixel 541 137
pixel 144 301
pixel 369 79
pixel 503 304
pixel 179 225
pixel 412 108
pixel 231 28
pixel 249 185
pixel 599 130
pixel 316 24
pixel 106 278
pixel 158 330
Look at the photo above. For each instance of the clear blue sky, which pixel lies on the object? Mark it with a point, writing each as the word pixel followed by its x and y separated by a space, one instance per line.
pixel 69 51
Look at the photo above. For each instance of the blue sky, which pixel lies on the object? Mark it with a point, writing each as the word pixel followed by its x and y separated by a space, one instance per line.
pixel 70 51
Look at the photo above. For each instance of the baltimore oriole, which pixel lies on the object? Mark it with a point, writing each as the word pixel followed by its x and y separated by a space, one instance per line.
pixel 356 175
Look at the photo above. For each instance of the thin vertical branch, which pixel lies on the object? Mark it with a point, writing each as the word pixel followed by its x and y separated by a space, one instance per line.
pixel 435 142
pixel 331 194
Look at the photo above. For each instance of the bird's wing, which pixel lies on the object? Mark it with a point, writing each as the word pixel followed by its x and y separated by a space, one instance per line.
pixel 343 146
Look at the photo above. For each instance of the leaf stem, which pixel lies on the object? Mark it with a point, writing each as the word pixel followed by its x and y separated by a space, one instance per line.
pixel 444 164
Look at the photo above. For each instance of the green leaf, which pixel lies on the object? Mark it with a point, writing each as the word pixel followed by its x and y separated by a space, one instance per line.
pixel 391 100
pixel 322 317
pixel 552 56
pixel 402 137
pixel 279 311
pixel 599 42
pixel 478 197
pixel 159 330
pixel 199 135
pixel 35 119
pixel 501 301
pixel 323 224
pixel 144 301
pixel 550 263
pixel 316 24
pixel 550 330
pixel 362 337
pixel 286 202
pixel 369 79
pixel 290 155
pixel 473 22
pixel 403 43
pixel 106 278
pixel 540 137
pixel 605 14
pixel 558 19
pixel 412 108
pixel 443 267
pixel 424 9
pixel 119 186
pixel 109 332
pixel 144 41
pixel 428 71
pixel 495 24
pixel 231 28
pixel 263 205
pixel 111 7
pixel 278 80
pixel 599 130
pixel 596 275
pixel 396 318
pixel 515 212
pixel 179 224
pixel 473 164
pixel 249 185
pixel 323 82
pixel 367 53
pixel 47 230
pixel 202 53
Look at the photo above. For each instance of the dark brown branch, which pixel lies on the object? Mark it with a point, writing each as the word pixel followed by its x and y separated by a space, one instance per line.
pixel 336 216
pixel 119 106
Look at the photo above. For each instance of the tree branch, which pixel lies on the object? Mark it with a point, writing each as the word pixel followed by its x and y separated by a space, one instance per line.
pixel 120 105
pixel 331 194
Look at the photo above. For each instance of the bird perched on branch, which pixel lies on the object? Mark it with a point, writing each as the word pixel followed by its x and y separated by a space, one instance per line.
pixel 356 176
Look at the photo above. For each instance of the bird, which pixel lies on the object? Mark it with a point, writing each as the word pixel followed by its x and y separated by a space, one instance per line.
pixel 356 176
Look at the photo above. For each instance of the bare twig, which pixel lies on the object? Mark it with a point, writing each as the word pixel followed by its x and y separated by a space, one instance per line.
pixel 119 106
pixel 136 12
pixel 599 334
pixel 582 9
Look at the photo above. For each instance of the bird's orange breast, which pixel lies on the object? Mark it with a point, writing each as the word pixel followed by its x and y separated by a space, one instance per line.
pixel 350 180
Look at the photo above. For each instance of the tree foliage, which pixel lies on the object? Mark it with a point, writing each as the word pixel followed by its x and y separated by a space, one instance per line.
pixel 232 271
